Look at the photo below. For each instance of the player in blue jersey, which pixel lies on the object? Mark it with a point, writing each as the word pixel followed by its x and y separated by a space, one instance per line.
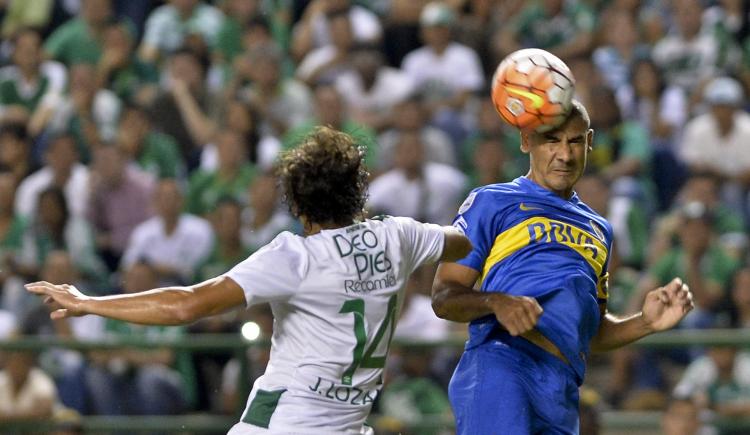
pixel 540 264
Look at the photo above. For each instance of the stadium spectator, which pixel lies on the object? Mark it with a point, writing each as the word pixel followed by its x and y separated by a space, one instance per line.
pixel 330 110
pixel 372 89
pixel 29 79
pixel 88 112
pixel 228 248
pixel 153 151
pixel 53 227
pixel 415 187
pixel 229 37
pixel 716 141
pixel 325 64
pixel 411 116
pixel 262 150
pixel 719 380
pixel 138 381
pixel 445 72
pixel 15 155
pixel 690 55
pixel 170 25
pixel 131 79
pixel 615 60
pixel 26 392
pixel 80 39
pixel 174 243
pixel 699 258
pixel 62 169
pixel 283 103
pixel 263 218
pixel 120 199
pixel 682 417
pixel 313 29
pixel 185 74
pixel 488 129
pixel 230 179
pixel 564 27
pixel 12 231
pixel 489 163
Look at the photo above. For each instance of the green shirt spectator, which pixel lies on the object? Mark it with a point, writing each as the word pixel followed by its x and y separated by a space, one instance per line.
pixel 716 266
pixel 207 188
pixel 565 27
pixel 161 156
pixel 74 42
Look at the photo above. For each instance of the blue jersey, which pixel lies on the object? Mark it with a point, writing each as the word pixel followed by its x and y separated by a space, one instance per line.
pixel 530 242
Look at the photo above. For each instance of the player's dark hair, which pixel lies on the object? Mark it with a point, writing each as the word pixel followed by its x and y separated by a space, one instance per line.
pixel 324 178
pixel 16 130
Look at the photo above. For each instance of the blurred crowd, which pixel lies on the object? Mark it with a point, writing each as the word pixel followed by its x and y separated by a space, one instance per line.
pixel 138 140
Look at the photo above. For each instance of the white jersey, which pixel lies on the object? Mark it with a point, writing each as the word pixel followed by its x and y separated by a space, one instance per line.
pixel 335 298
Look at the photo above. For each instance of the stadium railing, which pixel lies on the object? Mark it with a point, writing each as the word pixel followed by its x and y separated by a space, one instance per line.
pixel 237 345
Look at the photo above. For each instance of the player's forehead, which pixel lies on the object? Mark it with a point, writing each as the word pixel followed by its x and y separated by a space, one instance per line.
pixel 575 126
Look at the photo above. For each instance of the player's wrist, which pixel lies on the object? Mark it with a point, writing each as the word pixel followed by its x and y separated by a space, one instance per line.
pixel 645 324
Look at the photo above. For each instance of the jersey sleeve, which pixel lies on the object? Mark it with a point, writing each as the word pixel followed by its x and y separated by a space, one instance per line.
pixel 476 221
pixel 423 243
pixel 271 274
pixel 602 283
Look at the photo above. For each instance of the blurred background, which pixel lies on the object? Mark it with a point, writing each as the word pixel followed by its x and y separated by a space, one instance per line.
pixel 137 145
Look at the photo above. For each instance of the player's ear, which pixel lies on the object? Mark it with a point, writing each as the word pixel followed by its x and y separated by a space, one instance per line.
pixel 525 142
pixel 590 138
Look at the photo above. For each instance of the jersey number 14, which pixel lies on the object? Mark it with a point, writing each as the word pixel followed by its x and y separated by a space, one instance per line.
pixel 364 358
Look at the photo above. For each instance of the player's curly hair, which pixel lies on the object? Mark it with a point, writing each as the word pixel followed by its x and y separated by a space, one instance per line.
pixel 325 178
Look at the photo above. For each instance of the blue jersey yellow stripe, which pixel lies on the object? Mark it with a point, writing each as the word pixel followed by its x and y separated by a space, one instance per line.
pixel 530 242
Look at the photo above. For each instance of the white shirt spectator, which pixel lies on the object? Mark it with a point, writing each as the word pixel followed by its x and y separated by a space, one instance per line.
pixel 37 388
pixel 316 59
pixel 76 191
pixel 53 75
pixel 687 63
pixel 703 145
pixel 458 69
pixel 702 373
pixel 166 31
pixel 435 197
pixel 268 150
pixel 392 86
pixel 365 25
pixel 183 250
pixel 105 111
pixel 438 147
pixel 419 321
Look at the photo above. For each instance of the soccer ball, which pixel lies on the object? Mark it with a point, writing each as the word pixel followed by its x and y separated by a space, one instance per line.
pixel 532 89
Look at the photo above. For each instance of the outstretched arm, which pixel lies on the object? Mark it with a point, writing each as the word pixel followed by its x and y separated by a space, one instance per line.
pixel 663 308
pixel 162 306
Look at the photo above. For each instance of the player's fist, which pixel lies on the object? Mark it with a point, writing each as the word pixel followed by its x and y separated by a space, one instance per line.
pixel 664 307
pixel 517 314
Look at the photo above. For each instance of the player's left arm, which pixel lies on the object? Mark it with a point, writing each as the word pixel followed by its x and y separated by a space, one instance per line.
pixel 662 309
pixel 162 306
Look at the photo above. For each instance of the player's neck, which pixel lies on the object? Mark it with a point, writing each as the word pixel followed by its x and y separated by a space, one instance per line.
pixel 312 228
pixel 564 194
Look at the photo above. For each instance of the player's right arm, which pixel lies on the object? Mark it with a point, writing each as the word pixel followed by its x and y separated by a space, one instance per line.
pixel 454 298
pixel 162 306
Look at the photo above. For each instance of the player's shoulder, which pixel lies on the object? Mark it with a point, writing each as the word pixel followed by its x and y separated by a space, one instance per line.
pixel 599 223
pixel 492 196
pixel 286 249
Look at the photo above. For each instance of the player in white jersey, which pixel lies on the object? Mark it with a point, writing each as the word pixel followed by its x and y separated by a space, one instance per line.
pixel 335 295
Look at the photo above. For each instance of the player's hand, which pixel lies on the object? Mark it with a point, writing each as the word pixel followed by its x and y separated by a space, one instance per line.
pixel 517 314
pixel 664 307
pixel 65 299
